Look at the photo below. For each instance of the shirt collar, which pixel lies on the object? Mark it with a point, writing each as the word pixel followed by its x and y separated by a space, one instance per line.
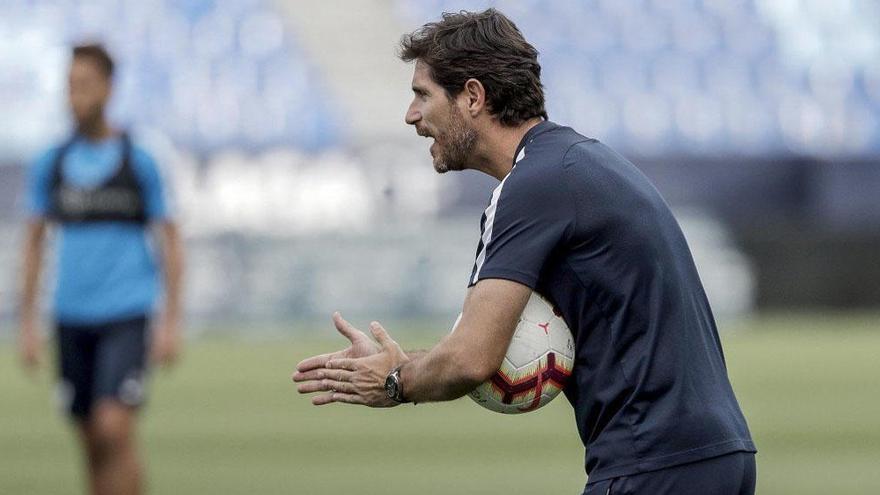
pixel 540 128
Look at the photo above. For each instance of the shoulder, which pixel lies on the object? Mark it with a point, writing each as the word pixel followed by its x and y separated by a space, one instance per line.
pixel 551 149
pixel 591 152
pixel 144 162
pixel 545 159
pixel 41 164
pixel 141 157
pixel 48 155
pixel 534 185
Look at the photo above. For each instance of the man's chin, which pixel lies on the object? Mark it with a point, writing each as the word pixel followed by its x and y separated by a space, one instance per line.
pixel 442 165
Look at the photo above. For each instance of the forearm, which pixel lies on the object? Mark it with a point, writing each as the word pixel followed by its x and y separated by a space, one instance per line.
pixel 30 282
pixel 32 260
pixel 416 354
pixel 172 309
pixel 472 353
pixel 172 268
pixel 436 375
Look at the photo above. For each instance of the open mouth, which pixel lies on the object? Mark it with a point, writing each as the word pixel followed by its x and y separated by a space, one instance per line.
pixel 423 132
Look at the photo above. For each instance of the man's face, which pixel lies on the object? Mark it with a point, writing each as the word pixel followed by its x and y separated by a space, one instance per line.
pixel 88 91
pixel 434 115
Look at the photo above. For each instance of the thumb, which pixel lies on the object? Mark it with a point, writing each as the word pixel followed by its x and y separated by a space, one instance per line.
pixel 382 336
pixel 345 328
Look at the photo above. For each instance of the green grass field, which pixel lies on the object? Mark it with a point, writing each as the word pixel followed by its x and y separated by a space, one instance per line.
pixel 228 421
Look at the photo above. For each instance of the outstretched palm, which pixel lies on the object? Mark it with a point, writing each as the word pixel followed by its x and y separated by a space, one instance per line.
pixel 361 346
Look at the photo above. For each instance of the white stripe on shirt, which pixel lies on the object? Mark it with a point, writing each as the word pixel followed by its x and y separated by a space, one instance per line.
pixel 490 218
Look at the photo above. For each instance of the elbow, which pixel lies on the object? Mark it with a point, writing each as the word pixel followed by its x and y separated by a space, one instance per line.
pixel 475 370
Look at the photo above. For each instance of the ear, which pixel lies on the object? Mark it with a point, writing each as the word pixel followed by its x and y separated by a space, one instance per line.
pixel 476 96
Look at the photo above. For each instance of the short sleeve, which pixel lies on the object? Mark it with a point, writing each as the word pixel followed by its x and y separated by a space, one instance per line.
pixel 529 215
pixel 155 200
pixel 38 184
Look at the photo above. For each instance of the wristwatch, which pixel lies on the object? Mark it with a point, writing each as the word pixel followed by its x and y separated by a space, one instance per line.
pixel 393 387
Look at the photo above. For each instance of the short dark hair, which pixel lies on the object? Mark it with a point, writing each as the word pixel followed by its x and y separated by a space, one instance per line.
pixel 98 54
pixel 488 47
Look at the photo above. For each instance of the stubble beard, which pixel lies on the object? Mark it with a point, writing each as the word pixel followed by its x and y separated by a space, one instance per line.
pixel 459 143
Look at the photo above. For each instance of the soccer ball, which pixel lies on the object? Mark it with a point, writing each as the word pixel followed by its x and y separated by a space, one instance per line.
pixel 537 365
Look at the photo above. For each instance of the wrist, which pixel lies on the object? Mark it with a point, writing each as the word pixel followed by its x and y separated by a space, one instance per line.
pixel 405 371
pixel 394 386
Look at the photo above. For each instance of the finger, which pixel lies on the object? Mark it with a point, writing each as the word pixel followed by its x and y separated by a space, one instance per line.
pixel 315 374
pixel 312 386
pixel 338 397
pixel 348 398
pixel 346 328
pixel 317 386
pixel 342 363
pixel 323 373
pixel 339 375
pixel 304 376
pixel 319 361
pixel 174 353
pixel 325 386
pixel 381 335
pixel 155 356
pixel 170 359
pixel 164 354
pixel 29 362
pixel 320 400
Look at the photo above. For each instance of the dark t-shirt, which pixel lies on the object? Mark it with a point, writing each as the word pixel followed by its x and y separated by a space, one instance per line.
pixel 584 227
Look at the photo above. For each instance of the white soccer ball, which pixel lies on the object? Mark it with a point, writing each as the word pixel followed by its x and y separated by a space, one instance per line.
pixel 537 365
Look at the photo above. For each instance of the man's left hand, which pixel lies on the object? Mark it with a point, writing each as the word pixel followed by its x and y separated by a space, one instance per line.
pixel 166 344
pixel 358 380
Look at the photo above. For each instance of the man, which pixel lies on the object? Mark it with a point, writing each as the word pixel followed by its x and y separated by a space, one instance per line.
pixel 578 223
pixel 104 193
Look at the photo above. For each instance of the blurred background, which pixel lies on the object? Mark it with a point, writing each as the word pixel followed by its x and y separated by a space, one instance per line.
pixel 279 126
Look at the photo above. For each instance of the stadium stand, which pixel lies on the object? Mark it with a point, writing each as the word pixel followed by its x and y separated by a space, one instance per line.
pixel 738 77
pixel 209 74
pixel 759 120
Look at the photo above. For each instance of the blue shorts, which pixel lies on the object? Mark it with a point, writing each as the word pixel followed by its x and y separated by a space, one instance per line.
pixel 96 362
pixel 730 474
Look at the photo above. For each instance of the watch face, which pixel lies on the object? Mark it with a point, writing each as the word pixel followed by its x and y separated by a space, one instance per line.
pixel 391 386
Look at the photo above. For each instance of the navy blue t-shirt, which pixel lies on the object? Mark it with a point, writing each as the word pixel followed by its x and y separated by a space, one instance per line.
pixel 584 227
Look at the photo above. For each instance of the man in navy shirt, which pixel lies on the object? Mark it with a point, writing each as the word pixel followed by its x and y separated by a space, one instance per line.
pixel 103 192
pixel 578 223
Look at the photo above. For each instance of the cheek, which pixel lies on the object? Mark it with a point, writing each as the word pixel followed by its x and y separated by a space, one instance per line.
pixel 427 117
pixel 431 115
pixel 81 105
pixel 77 101
pixel 80 95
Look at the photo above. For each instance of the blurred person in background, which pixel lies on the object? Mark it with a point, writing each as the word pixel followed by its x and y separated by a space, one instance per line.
pixel 105 195
pixel 584 227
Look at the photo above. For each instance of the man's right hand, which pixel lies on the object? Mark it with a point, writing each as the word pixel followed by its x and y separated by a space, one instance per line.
pixel 30 345
pixel 312 368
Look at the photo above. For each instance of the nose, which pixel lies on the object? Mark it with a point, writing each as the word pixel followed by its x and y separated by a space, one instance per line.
pixel 412 115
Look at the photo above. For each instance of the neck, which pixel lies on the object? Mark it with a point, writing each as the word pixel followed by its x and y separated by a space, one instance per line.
pixel 495 154
pixel 97 130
